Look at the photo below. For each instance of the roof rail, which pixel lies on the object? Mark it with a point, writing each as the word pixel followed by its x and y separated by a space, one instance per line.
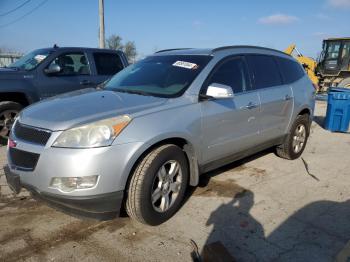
pixel 246 46
pixel 173 49
pixel 337 38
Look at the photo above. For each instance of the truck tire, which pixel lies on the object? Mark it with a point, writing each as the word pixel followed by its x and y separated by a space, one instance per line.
pixel 295 142
pixel 345 83
pixel 158 185
pixel 8 112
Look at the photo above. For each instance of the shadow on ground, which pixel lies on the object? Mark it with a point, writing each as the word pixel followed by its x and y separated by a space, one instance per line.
pixel 3 141
pixel 319 120
pixel 317 232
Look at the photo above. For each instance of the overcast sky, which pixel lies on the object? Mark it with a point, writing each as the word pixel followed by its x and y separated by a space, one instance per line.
pixel 160 24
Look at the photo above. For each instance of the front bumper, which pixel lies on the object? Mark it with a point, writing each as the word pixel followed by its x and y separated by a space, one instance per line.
pixel 102 206
pixel 111 164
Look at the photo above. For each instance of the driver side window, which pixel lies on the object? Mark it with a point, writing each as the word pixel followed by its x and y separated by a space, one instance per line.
pixel 72 64
pixel 231 73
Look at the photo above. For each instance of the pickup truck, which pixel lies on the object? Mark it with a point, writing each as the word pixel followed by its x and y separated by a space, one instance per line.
pixel 47 72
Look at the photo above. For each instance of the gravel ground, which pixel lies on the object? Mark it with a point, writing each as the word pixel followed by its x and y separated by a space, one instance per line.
pixel 260 209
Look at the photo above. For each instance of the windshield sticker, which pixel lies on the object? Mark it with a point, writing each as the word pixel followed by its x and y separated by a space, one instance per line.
pixel 184 64
pixel 39 58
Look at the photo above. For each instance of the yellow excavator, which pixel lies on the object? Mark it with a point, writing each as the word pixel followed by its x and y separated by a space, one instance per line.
pixel 332 68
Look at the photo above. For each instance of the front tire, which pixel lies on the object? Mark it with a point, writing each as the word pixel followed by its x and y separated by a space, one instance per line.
pixel 295 142
pixel 158 185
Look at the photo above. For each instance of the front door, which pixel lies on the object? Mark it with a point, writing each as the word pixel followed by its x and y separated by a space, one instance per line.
pixel 75 74
pixel 230 125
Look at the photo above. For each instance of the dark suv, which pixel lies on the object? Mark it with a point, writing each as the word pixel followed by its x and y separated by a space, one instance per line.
pixel 51 71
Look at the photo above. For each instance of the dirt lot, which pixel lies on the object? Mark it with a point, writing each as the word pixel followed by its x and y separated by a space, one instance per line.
pixel 260 209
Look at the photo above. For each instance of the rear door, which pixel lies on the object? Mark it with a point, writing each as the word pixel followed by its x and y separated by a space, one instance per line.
pixel 106 64
pixel 276 97
pixel 229 125
pixel 75 74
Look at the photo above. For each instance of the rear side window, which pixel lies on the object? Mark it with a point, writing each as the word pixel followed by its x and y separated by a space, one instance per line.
pixel 231 73
pixel 107 63
pixel 265 71
pixel 291 70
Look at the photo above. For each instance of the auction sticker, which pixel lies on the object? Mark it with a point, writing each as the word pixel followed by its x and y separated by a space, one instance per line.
pixel 40 58
pixel 184 64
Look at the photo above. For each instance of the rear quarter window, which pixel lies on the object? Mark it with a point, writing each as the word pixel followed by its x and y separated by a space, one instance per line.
pixel 290 70
pixel 107 63
pixel 264 70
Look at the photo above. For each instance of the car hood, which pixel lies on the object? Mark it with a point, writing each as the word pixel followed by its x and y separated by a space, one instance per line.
pixel 85 106
pixel 11 73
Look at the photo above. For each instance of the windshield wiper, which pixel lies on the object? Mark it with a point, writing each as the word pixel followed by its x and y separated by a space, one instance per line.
pixel 137 92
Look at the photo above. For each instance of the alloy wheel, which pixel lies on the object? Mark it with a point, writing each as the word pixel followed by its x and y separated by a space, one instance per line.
pixel 299 138
pixel 166 186
pixel 7 118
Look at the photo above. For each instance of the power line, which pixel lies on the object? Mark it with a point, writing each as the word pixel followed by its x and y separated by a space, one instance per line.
pixel 18 7
pixel 23 16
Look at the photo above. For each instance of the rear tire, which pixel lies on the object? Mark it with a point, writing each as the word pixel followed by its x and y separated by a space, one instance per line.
pixel 295 142
pixel 158 185
pixel 8 112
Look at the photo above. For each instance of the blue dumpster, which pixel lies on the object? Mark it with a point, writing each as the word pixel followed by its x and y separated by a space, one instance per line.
pixel 338 110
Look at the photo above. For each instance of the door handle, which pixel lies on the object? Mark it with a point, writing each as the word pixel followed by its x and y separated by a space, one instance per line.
pixel 287 97
pixel 251 105
pixel 85 82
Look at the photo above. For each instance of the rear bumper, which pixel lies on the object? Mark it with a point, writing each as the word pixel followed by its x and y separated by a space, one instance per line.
pixel 102 206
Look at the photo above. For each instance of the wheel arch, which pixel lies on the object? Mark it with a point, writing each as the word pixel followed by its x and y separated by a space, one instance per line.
pixel 305 111
pixel 17 97
pixel 179 141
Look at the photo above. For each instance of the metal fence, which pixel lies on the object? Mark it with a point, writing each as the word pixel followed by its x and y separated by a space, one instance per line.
pixel 8 58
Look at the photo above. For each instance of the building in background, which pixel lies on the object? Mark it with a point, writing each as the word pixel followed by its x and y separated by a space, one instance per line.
pixel 8 58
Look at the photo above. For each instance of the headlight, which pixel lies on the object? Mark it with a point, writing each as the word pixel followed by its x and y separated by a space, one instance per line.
pixel 101 133
pixel 68 184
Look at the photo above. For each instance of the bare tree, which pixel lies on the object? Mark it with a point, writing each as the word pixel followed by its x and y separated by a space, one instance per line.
pixel 114 42
pixel 130 51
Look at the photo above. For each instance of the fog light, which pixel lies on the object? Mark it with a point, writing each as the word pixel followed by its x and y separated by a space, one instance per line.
pixel 68 184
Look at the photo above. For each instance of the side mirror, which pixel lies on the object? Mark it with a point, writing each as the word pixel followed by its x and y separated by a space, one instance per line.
pixel 53 69
pixel 219 91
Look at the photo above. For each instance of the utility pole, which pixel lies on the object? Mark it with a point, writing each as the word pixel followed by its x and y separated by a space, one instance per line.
pixel 102 24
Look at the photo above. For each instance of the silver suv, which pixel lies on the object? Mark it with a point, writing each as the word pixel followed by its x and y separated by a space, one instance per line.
pixel 150 131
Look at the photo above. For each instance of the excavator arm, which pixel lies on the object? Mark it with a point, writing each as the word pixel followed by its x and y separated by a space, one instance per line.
pixel 308 63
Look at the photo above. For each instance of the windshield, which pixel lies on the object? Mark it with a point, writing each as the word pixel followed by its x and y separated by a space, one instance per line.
pixel 31 60
pixel 333 50
pixel 164 76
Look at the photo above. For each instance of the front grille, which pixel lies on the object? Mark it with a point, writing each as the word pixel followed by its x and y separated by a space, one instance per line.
pixel 31 134
pixel 23 159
